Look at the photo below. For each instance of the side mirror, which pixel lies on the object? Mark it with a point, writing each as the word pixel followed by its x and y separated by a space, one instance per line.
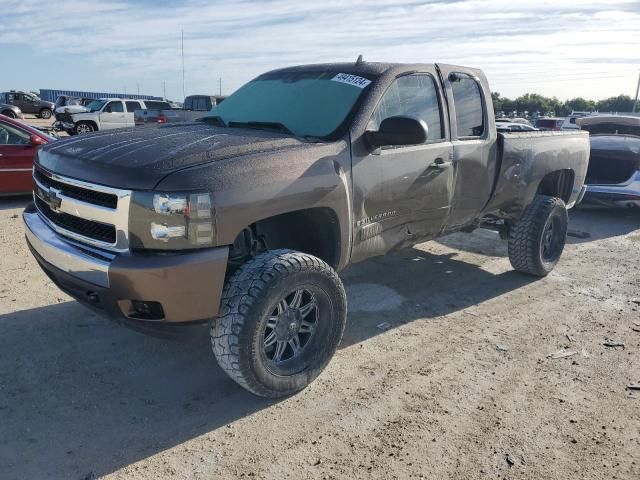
pixel 398 131
pixel 36 141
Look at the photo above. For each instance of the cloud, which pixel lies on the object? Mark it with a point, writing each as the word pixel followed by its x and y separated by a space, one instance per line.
pixel 520 44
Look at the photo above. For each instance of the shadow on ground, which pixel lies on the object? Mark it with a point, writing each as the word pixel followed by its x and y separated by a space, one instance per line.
pixel 10 203
pixel 81 396
pixel 587 224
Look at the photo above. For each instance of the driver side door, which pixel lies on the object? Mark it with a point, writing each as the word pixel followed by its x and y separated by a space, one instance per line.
pixel 402 194
pixel 113 116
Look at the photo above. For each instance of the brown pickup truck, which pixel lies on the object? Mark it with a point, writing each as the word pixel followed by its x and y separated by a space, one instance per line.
pixel 244 219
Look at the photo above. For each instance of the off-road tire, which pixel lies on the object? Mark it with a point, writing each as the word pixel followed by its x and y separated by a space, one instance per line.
pixel 84 128
pixel 526 236
pixel 9 113
pixel 45 114
pixel 247 300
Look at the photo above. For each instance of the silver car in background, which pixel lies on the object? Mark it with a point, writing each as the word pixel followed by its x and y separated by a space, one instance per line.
pixel 613 177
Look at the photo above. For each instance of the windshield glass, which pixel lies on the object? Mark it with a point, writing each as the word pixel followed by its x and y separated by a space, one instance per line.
pixel 305 103
pixel 96 105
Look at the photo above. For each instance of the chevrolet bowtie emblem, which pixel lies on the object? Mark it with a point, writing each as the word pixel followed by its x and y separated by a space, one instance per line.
pixel 53 200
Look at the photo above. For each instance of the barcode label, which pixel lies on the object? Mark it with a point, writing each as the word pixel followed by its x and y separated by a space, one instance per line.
pixel 349 79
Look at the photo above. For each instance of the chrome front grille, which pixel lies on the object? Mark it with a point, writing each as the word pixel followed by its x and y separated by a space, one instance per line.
pixel 91 214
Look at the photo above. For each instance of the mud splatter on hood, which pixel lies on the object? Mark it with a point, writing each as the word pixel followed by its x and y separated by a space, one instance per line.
pixel 138 158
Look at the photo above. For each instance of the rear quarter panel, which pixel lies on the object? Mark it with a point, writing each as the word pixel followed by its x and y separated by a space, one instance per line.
pixel 526 158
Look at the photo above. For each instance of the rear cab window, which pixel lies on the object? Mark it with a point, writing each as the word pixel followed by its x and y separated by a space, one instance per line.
pixel 132 106
pixel 468 105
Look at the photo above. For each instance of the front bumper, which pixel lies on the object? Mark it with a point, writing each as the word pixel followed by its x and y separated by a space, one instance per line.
pixel 64 125
pixel 187 286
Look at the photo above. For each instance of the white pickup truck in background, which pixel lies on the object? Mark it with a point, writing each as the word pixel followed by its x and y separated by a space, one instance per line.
pixel 104 114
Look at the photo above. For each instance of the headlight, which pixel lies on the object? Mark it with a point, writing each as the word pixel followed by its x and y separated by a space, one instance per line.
pixel 170 221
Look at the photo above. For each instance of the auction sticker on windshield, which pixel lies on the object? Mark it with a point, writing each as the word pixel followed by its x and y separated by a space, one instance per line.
pixel 349 79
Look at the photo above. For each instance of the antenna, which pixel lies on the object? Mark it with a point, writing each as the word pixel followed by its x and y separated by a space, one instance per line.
pixel 360 60
pixel 635 102
pixel 182 48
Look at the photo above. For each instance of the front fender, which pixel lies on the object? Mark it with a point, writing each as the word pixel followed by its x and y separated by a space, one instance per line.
pixel 255 187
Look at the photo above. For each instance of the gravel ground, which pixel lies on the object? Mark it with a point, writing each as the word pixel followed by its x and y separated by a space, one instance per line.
pixel 460 386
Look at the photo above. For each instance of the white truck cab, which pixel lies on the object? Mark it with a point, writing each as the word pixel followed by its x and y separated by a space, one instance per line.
pixel 101 114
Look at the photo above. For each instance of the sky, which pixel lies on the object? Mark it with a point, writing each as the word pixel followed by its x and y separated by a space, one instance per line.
pixel 562 48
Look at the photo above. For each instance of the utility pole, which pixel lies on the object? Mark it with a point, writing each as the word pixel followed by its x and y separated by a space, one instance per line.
pixel 138 88
pixel 635 101
pixel 182 48
pixel 164 89
pixel 220 85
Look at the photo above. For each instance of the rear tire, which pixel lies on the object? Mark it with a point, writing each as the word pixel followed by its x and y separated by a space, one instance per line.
pixel 537 239
pixel 45 114
pixel 84 127
pixel 9 113
pixel 282 317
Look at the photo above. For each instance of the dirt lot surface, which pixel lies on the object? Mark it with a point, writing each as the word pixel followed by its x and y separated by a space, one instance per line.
pixel 459 387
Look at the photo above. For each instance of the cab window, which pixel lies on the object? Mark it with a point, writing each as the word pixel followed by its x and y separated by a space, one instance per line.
pixel 10 135
pixel 412 96
pixel 114 107
pixel 467 99
pixel 131 106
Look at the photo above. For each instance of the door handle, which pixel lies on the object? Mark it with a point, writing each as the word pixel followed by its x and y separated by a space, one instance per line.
pixel 440 164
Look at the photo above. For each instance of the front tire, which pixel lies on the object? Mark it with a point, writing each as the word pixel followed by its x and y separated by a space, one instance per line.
pixel 282 317
pixel 84 127
pixel 537 239
pixel 45 114
pixel 9 113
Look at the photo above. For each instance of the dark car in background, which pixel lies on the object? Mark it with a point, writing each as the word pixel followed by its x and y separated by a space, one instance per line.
pixel 28 103
pixel 549 123
pixel 18 145
pixel 10 111
pixel 613 177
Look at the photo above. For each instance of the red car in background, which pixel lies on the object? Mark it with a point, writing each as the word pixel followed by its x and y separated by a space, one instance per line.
pixel 18 145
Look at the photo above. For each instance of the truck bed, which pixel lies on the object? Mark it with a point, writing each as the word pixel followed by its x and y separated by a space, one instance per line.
pixel 152 117
pixel 524 158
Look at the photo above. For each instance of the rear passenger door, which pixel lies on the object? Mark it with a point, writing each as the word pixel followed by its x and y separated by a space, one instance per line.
pixel 474 142
pixel 113 116
pixel 131 106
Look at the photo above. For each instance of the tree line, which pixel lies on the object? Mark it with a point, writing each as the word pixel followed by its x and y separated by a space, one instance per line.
pixel 532 103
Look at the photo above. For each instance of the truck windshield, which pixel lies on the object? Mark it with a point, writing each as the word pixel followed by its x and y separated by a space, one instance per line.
pixel 96 105
pixel 314 104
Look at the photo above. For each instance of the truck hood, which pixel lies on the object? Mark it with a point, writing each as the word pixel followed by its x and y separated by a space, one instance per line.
pixel 71 109
pixel 138 158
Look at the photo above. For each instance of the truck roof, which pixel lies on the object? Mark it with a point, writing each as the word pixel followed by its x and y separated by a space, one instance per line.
pixel 366 68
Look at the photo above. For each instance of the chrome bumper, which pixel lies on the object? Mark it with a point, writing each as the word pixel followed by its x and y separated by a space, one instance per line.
pixel 62 254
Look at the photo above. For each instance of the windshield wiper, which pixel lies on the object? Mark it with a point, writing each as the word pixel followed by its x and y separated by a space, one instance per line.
pixel 213 119
pixel 277 126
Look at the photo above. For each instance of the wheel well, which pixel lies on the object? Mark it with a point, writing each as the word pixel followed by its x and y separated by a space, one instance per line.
pixel 558 184
pixel 315 231
pixel 8 113
pixel 91 122
pixel 46 108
